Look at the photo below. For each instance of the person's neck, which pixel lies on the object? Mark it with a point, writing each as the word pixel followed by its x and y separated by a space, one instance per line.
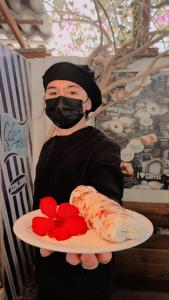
pixel 63 132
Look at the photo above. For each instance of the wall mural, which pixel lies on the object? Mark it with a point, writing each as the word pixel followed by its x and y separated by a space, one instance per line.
pixel 141 127
pixel 15 162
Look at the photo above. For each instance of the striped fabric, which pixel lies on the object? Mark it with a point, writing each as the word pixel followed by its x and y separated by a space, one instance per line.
pixel 16 167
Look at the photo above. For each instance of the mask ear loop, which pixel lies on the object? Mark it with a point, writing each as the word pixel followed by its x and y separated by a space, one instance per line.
pixel 85 100
pixel 86 112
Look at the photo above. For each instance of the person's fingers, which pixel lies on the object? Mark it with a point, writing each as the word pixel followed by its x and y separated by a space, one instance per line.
pixel 126 168
pixel 104 258
pixel 126 172
pixel 45 252
pixel 73 258
pixel 89 261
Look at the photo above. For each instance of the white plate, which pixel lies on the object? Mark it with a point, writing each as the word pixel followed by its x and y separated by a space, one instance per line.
pixel 86 243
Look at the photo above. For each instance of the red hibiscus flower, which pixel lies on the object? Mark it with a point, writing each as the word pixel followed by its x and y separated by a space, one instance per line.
pixel 63 220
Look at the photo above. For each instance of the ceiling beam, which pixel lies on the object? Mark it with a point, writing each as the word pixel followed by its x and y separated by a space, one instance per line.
pixel 12 23
pixel 24 21
pixel 33 53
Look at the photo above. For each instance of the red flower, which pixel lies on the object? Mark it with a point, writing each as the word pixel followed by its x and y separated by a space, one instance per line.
pixel 42 225
pixel 76 225
pixel 60 233
pixel 63 221
pixel 67 210
pixel 48 206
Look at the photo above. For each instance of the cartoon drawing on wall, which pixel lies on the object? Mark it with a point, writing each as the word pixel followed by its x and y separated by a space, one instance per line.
pixel 140 126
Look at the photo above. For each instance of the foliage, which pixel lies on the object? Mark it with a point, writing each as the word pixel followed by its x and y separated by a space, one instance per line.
pixel 78 25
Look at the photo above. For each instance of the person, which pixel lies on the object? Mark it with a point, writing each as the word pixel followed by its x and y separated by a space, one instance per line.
pixel 76 155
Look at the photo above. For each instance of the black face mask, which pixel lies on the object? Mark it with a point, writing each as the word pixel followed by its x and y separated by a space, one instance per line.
pixel 64 112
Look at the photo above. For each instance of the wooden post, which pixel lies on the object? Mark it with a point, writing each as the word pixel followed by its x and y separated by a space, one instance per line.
pixel 12 23
pixel 146 19
pixel 141 20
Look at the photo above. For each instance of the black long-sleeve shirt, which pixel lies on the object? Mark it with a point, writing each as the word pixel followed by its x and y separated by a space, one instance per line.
pixel 86 157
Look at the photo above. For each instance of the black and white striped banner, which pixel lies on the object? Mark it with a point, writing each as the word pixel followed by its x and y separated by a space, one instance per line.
pixel 16 167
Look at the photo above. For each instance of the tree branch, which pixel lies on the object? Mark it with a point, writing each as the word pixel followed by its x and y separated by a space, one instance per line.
pixel 110 25
pixel 124 80
pixel 84 21
pixel 100 23
pixel 146 73
pixel 96 52
pixel 117 59
pixel 117 20
pixel 81 18
pixel 159 5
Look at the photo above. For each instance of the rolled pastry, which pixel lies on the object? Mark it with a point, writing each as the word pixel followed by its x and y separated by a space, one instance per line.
pixel 110 220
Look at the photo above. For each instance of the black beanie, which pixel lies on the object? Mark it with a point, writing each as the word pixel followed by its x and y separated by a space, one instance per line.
pixel 80 74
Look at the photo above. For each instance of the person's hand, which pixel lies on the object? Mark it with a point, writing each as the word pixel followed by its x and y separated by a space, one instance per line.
pixel 45 252
pixel 88 261
pixel 126 168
